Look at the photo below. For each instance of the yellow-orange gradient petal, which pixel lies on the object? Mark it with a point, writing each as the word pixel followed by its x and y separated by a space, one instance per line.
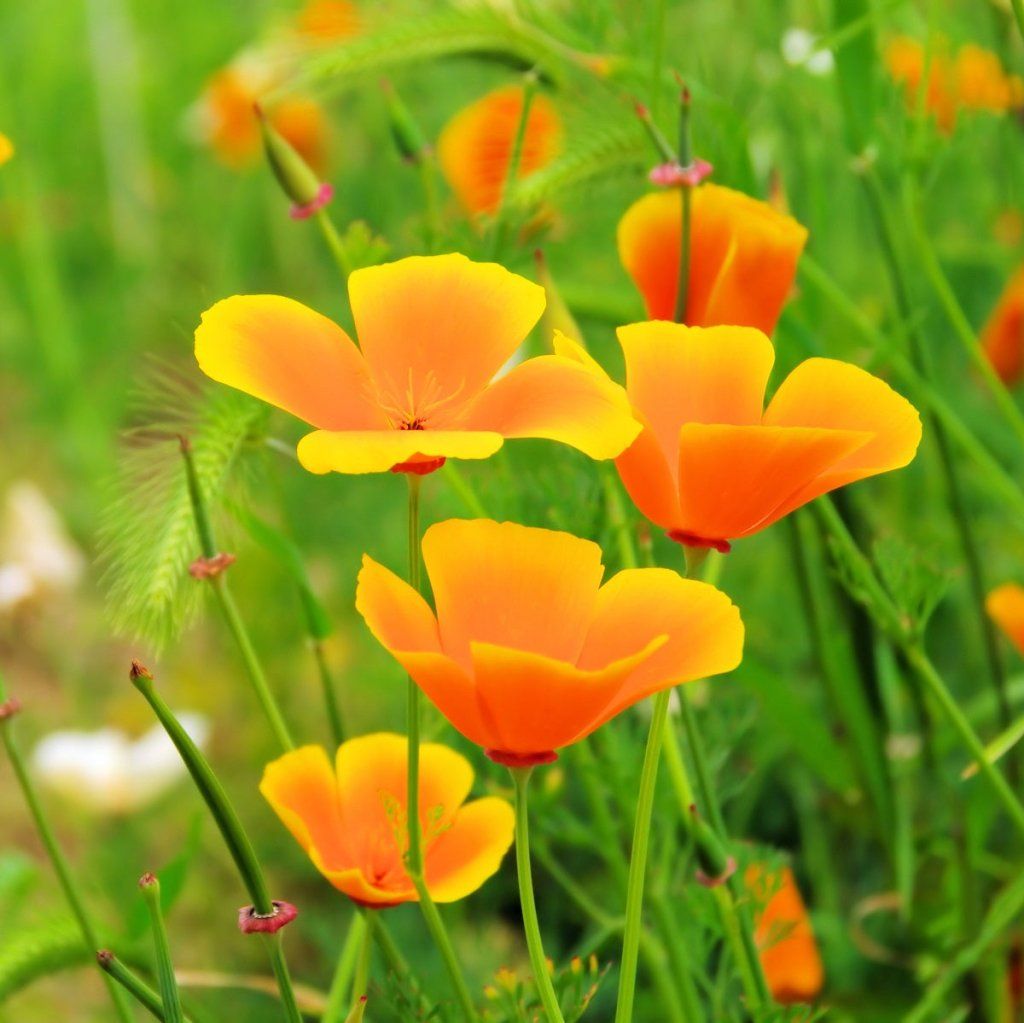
pixel 475 146
pixel 732 479
pixel 301 788
pixel 281 351
pixel 650 478
pixel 362 451
pixel 788 951
pixel 704 630
pixel 677 374
pixel 558 399
pixel 743 256
pixel 1002 337
pixel 398 617
pixel 535 704
pixel 435 330
pixel 465 855
pixel 1005 606
pixel 511 585
pixel 328 20
pixel 833 395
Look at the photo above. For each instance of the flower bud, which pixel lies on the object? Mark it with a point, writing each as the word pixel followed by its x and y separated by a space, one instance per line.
pixel 409 140
pixel 294 175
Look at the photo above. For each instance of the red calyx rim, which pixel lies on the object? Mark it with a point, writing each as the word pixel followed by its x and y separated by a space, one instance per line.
pixel 508 758
pixel 692 540
pixel 251 922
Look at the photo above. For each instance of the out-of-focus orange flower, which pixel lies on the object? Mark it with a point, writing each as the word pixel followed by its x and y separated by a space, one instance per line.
pixel 327 20
pixel 528 652
pixel 1002 337
pixel 743 256
pixel 974 79
pixel 476 145
pixel 710 466
pixel 226 118
pixel 433 332
pixel 1005 606
pixel 788 951
pixel 6 148
pixel 351 818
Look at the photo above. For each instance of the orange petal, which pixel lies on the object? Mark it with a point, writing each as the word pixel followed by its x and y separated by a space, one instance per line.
pixel 734 479
pixel 529 589
pixel 559 399
pixel 648 239
pixel 475 146
pixel 677 375
pixel 362 451
pixel 650 479
pixel 285 353
pixel 1005 606
pixel 398 617
pixel 832 395
pixel 703 629
pixel 355 885
pixel 1002 337
pixel 435 329
pixel 301 788
pixel 535 704
pixel 471 850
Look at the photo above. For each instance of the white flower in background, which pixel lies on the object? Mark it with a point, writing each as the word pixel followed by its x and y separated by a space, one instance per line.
pixel 108 772
pixel 36 554
pixel 798 50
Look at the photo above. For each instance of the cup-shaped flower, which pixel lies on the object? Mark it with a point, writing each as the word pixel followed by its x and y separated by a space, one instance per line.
pixel 350 818
pixel 528 652
pixel 1005 606
pixel 712 465
pixel 433 332
pixel 476 145
pixel 743 256
pixel 1002 337
pixel 786 944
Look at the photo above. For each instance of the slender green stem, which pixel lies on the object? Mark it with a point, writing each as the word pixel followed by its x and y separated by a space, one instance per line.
pixel 278 963
pixel 512 171
pixel 334 243
pixel 428 179
pixel 531 925
pixel 686 197
pixel 334 718
pixel 125 981
pixel 1018 15
pixel 341 982
pixel 60 865
pixel 169 996
pixel 638 859
pixel 361 979
pixel 415 853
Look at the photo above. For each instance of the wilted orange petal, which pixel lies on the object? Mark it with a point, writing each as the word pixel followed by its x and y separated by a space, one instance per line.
pixel 285 353
pixel 704 629
pixel 470 851
pixel 502 583
pixel 1002 337
pixel 1005 606
pixel 733 478
pixel 355 451
pixel 475 147
pixel 435 329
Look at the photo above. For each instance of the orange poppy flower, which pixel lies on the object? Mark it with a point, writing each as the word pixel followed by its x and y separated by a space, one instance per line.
pixel 1002 337
pixel 788 951
pixel 1005 606
pixel 476 145
pixel 710 466
pixel 227 120
pixel 528 652
pixel 743 256
pixel 351 818
pixel 433 332
pixel 325 21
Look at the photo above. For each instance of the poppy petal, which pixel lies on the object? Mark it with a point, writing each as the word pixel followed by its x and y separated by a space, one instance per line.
pixel 451 690
pixel 648 239
pixel 281 351
pixel 398 616
pixel 558 399
pixel 650 479
pixel 742 475
pixel 1005 606
pixel 352 881
pixel 435 329
pixel 362 451
pixel 502 583
pixel 464 856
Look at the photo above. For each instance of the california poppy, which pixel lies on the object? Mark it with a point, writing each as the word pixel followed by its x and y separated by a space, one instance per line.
pixel 528 652
pixel 1002 337
pixel 476 145
pixel 433 332
pixel 326 21
pixel 743 256
pixel 350 818
pixel 787 949
pixel 1005 606
pixel 710 466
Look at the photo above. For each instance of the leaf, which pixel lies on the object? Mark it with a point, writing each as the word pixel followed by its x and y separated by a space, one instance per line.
pixel 38 952
pixel 855 65
pixel 362 246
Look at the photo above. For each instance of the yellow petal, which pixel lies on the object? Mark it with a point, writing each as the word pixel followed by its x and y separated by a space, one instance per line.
pixel 362 451
pixel 471 850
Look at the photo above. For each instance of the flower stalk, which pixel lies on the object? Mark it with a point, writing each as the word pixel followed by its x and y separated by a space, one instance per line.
pixel 125 980
pixel 170 998
pixel 686 190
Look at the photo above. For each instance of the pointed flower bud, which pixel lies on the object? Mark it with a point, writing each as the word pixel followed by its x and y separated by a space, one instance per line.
pixel 297 179
pixel 409 139
pixel 716 865
pixel 356 1015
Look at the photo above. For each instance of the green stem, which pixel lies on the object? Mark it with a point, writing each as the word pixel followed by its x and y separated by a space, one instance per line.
pixel 169 995
pixel 685 158
pixel 334 718
pixel 415 853
pixel 361 979
pixel 334 243
pixel 124 980
pixel 278 963
pixel 1018 15
pixel 531 925
pixel 60 865
pixel 341 982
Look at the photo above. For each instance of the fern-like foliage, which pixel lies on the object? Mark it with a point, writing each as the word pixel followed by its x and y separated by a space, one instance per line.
pixel 39 951
pixel 148 538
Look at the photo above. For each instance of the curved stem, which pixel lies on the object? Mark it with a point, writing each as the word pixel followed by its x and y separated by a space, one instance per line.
pixel 531 925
